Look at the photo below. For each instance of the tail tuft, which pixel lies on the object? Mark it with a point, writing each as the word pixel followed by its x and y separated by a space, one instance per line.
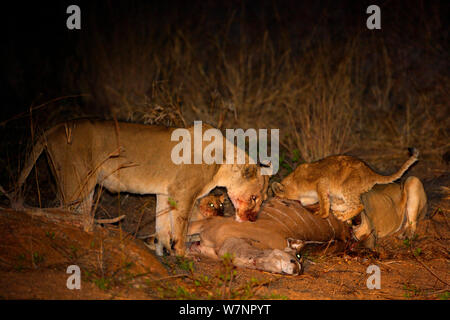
pixel 413 152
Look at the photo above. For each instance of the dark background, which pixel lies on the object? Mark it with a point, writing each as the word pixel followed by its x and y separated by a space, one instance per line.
pixel 38 50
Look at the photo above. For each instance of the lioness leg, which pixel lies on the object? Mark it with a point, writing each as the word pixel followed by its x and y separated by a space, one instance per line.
pixel 78 196
pixel 163 224
pixel 181 216
pixel 172 214
pixel 416 204
pixel 324 199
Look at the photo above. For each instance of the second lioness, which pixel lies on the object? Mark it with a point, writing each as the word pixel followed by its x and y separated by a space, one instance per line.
pixel 390 209
pixel 126 157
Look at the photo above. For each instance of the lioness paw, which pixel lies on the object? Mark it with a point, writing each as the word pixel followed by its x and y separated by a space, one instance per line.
pixel 323 214
pixel 178 247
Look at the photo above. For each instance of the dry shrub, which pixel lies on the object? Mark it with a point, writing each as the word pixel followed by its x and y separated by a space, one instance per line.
pixel 323 114
pixel 327 97
pixel 414 124
pixel 251 85
pixel 402 112
pixel 217 83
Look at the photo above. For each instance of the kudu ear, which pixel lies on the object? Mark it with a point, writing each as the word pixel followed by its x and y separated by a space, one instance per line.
pixel 277 188
pixel 295 244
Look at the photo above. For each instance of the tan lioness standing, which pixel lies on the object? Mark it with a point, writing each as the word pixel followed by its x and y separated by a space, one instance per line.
pixel 135 158
pixel 336 181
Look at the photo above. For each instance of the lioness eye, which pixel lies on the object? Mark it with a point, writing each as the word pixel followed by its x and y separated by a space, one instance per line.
pixel 211 205
pixel 221 205
pixel 254 198
pixel 299 256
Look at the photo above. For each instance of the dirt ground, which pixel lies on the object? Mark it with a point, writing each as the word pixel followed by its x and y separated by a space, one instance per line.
pixel 115 263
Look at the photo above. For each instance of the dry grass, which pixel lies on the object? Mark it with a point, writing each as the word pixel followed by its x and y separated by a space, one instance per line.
pixel 329 97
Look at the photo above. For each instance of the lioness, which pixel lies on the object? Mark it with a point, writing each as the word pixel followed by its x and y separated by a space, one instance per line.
pixel 135 158
pixel 285 225
pixel 335 180
pixel 391 208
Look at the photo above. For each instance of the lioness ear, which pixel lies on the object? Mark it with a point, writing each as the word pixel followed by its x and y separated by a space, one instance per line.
pixel 249 171
pixel 277 188
pixel 267 164
pixel 222 198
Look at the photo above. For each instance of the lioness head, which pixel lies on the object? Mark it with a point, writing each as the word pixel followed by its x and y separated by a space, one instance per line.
pixel 211 206
pixel 285 189
pixel 246 188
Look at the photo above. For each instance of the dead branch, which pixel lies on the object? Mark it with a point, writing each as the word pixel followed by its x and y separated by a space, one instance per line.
pixel 55 215
pixel 109 221
pixel 24 114
pixel 10 198
pixel 67 217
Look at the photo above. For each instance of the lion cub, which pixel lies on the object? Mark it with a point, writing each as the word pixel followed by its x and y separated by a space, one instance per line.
pixel 336 181
pixel 209 206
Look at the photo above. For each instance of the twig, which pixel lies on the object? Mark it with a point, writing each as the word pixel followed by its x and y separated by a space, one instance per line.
pixel 328 245
pixel 427 268
pixel 10 198
pixel 170 277
pixel 23 114
pixel 109 221
pixel 140 218
pixel 435 292
pixel 57 216
pixel 113 154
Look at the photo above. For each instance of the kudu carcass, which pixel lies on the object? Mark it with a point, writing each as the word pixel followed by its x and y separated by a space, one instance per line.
pixel 269 243
pixel 284 227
